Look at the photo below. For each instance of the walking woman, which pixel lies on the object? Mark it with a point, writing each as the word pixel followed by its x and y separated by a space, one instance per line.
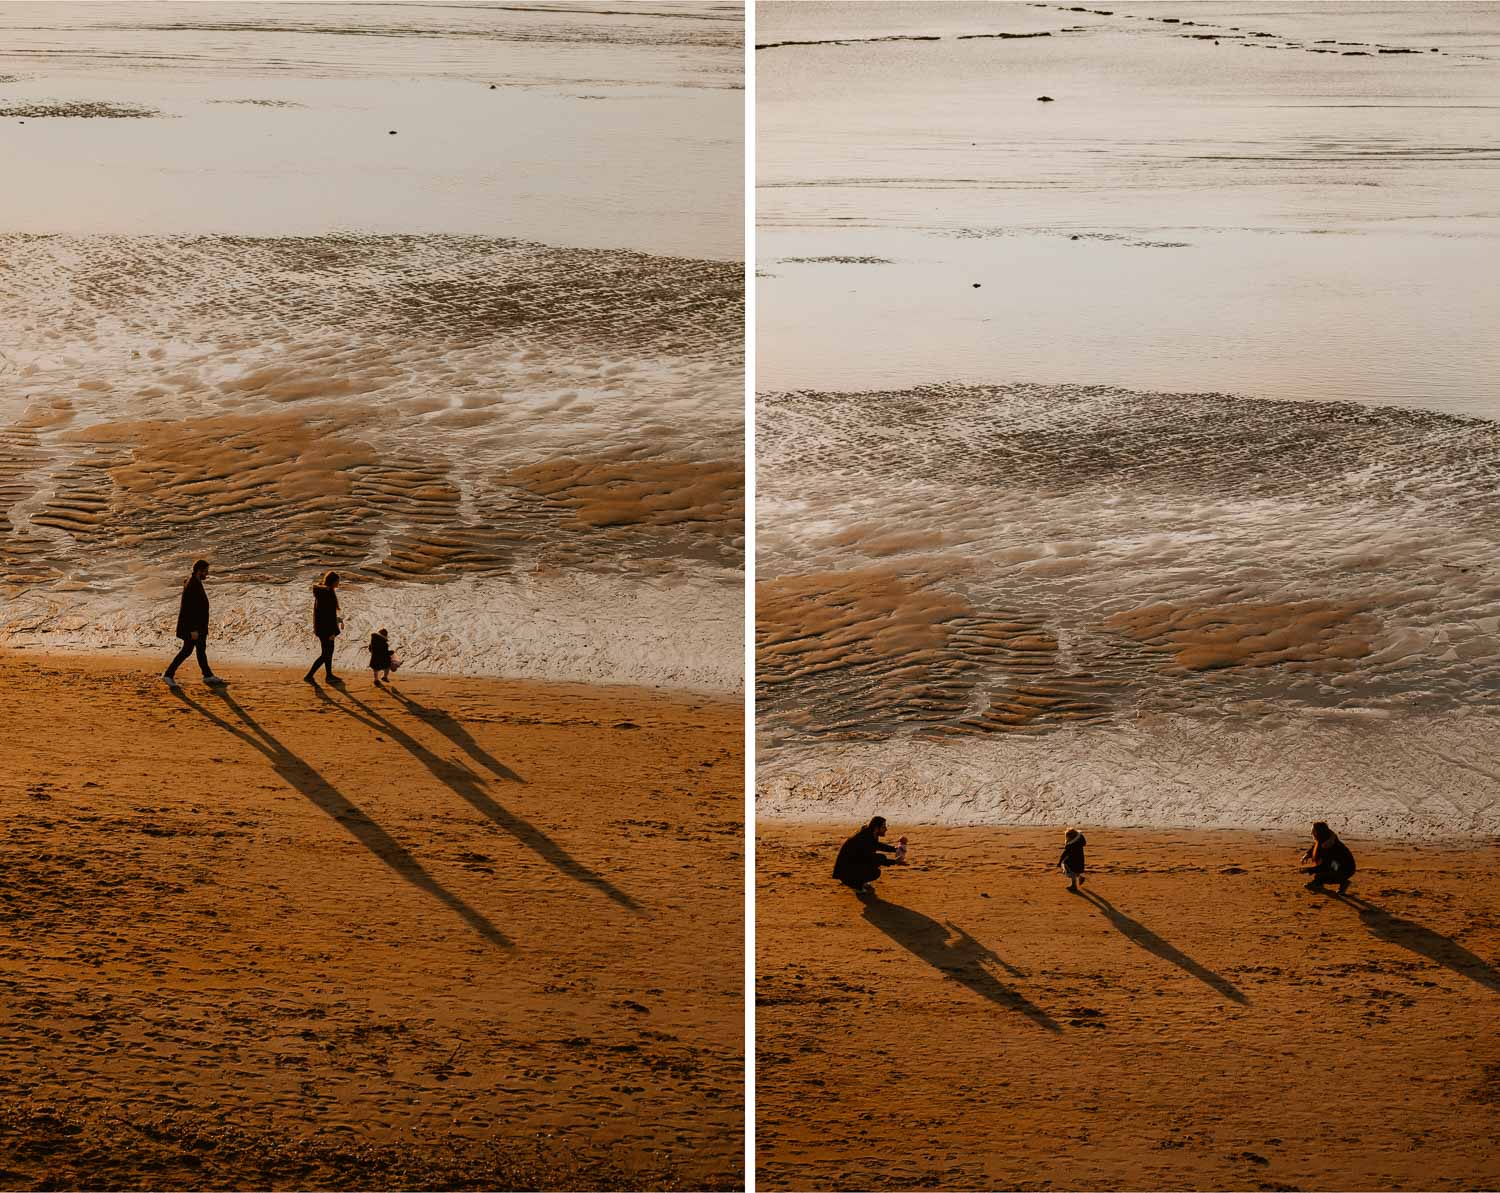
pixel 192 627
pixel 326 625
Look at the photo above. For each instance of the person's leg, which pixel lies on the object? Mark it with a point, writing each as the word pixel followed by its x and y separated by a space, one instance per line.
pixel 1072 878
pixel 187 649
pixel 202 649
pixel 325 657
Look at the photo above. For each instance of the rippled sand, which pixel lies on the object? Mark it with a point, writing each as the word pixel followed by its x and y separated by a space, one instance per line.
pixel 453 423
pixel 1127 607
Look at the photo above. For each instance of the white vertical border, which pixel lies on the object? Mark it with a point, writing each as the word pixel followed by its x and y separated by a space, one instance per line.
pixel 749 189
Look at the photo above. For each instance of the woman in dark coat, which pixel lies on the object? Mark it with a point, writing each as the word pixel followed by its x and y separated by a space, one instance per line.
pixel 326 625
pixel 1331 859
pixel 192 627
pixel 859 861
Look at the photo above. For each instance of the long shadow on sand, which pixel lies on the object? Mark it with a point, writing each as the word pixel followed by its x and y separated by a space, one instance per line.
pixel 1136 931
pixel 1423 941
pixel 326 798
pixel 453 729
pixel 958 955
pixel 469 787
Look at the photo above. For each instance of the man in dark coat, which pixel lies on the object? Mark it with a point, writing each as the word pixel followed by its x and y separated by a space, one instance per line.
pixel 192 626
pixel 859 861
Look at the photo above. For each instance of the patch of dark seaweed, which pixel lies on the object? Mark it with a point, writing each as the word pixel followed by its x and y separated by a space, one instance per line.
pixel 79 110
pixel 836 261
pixel 260 103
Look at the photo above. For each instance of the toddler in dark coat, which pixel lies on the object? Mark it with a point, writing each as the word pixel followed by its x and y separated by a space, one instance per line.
pixel 1071 860
pixel 382 661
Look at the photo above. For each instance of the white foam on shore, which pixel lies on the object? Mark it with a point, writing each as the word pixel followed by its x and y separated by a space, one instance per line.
pixel 1422 778
pixel 676 633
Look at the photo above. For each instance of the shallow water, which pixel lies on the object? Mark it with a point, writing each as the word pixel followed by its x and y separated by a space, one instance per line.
pixel 1183 515
pixel 522 453
pixel 603 129
pixel 1261 216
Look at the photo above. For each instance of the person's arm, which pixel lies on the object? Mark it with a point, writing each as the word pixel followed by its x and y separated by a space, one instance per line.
pixel 884 848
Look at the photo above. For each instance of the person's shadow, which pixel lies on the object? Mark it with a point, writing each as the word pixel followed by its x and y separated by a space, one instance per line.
pixel 958 955
pixel 1136 931
pixel 329 800
pixel 1423 941
pixel 470 788
pixel 453 729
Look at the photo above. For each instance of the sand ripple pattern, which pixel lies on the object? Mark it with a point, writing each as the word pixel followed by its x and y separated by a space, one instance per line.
pixel 1107 570
pixel 408 410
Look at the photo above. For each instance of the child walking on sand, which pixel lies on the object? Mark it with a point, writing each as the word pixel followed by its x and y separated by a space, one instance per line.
pixel 382 661
pixel 1071 861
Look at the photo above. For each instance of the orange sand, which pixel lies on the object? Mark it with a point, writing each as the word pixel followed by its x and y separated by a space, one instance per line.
pixel 1199 1022
pixel 477 934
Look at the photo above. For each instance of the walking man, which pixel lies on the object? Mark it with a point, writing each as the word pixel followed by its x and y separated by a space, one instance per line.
pixel 192 627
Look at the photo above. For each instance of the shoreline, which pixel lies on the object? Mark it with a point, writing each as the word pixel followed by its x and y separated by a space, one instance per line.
pixel 124 659
pixel 1195 1019
pixel 466 933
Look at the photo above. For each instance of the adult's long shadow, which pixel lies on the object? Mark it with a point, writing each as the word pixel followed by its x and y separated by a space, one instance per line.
pixel 1425 942
pixel 1152 943
pixel 329 800
pixel 958 955
pixel 470 788
pixel 452 728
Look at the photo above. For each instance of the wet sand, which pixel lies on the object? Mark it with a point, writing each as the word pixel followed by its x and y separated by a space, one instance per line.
pixel 1197 1020
pixel 465 934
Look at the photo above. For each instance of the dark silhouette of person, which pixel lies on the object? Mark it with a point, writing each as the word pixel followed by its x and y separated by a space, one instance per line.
pixel 327 625
pixel 1071 862
pixel 1331 859
pixel 192 627
pixel 859 861
pixel 382 660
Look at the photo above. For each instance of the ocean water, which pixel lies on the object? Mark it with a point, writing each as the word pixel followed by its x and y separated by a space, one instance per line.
pixel 489 368
pixel 1129 458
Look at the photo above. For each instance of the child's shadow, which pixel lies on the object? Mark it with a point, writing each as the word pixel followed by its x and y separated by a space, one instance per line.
pixel 958 955
pixel 1152 943
pixel 453 729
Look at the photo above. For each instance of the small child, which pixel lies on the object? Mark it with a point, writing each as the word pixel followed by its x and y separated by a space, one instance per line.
pixel 1071 860
pixel 382 661
pixel 901 852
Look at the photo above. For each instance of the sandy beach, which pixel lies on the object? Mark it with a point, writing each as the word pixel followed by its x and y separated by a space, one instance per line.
pixel 1197 1020
pixel 466 933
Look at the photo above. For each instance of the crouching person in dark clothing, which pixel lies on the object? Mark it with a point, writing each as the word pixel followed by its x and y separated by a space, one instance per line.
pixel 1331 859
pixel 859 862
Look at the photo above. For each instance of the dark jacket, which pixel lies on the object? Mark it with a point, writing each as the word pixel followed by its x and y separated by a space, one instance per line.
pixel 380 653
pixel 1333 857
pixel 192 613
pixel 859 861
pixel 1072 855
pixel 325 612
